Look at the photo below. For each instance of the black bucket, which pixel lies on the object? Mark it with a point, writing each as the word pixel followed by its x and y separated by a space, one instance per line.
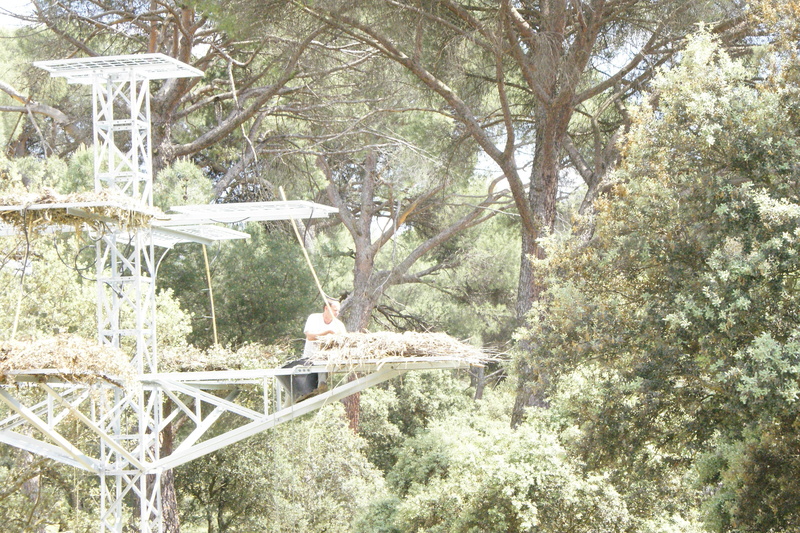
pixel 299 385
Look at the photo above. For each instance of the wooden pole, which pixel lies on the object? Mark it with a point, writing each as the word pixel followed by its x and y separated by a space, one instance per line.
pixel 305 253
pixel 210 296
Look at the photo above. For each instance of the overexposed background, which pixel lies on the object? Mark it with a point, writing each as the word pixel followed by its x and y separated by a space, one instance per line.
pixel 8 7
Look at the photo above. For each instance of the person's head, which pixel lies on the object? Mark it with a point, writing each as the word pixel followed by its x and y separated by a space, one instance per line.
pixel 331 308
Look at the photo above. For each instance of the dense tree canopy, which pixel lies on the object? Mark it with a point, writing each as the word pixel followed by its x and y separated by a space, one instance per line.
pixel 542 90
pixel 683 301
pixel 660 300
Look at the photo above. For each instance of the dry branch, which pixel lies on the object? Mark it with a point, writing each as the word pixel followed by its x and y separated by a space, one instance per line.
pixel 192 359
pixel 35 211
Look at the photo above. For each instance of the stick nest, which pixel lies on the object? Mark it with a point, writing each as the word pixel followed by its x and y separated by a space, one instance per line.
pixel 121 210
pixel 353 347
pixel 72 358
pixel 247 357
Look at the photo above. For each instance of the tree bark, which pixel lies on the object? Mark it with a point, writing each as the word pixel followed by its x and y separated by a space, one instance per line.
pixel 169 497
pixel 370 284
pixel 32 489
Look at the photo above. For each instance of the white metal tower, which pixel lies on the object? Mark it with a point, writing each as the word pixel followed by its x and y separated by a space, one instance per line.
pixel 125 270
pixel 129 422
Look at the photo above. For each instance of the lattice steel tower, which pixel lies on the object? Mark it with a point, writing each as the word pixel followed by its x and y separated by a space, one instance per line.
pixel 125 268
pixel 130 421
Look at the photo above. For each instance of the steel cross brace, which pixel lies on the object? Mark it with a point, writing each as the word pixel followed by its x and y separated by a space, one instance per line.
pixel 268 421
pixel 62 445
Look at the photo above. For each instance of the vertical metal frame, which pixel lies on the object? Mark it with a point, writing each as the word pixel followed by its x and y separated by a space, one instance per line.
pixel 128 422
pixel 122 148
pixel 125 267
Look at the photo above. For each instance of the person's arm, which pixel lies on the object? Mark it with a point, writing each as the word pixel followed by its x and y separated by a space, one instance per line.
pixel 317 328
pixel 315 336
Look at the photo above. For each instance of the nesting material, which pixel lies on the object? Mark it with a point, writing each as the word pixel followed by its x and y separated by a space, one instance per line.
pixel 192 359
pixel 33 211
pixel 355 347
pixel 66 357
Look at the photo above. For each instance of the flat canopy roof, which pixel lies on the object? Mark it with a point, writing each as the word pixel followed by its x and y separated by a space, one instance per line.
pixel 148 66
pixel 190 223
pixel 244 212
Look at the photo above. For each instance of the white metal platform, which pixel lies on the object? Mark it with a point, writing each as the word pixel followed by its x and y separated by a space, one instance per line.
pixel 203 398
pixel 130 422
pixel 201 224
pixel 88 70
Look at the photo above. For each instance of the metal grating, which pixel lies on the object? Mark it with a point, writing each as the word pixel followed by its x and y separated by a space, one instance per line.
pixel 245 212
pixel 147 66
pixel 169 237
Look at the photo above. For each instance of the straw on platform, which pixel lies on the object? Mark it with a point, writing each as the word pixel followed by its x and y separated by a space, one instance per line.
pixel 68 357
pixel 353 347
pixel 122 209
pixel 214 358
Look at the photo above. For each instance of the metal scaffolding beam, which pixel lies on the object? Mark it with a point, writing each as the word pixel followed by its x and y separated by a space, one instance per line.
pixel 130 462
pixel 129 422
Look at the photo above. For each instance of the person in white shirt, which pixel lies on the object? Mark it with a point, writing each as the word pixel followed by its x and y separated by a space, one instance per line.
pixel 302 386
pixel 321 324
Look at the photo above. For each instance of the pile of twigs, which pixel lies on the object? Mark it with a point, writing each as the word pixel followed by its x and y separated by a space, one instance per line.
pixel 354 347
pixel 35 212
pixel 67 357
pixel 192 359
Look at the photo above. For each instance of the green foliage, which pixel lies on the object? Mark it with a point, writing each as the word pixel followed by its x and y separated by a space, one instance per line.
pixel 470 472
pixel 181 183
pixel 641 439
pixel 309 475
pixel 33 174
pixel 753 478
pixel 174 324
pixel 680 312
pixel 79 176
pixel 30 174
pixel 263 291
pixel 332 257
pixel 52 296
pixel 36 493
pixel 12 62
pixel 404 407
pixel 474 298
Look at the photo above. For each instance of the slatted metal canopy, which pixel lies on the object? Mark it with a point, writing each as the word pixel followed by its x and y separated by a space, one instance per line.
pixel 148 66
pixel 246 212
pixel 189 224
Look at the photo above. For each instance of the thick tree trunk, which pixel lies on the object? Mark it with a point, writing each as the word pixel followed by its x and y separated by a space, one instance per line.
pixel 357 309
pixel 352 406
pixel 532 383
pixel 169 503
pixel 358 312
pixel 32 489
pixel 479 381
pixel 527 290
pixel 169 498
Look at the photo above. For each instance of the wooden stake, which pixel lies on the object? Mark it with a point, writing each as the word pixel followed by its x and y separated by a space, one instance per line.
pixel 305 253
pixel 210 296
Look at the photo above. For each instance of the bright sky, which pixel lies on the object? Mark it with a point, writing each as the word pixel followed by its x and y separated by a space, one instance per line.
pixel 13 6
